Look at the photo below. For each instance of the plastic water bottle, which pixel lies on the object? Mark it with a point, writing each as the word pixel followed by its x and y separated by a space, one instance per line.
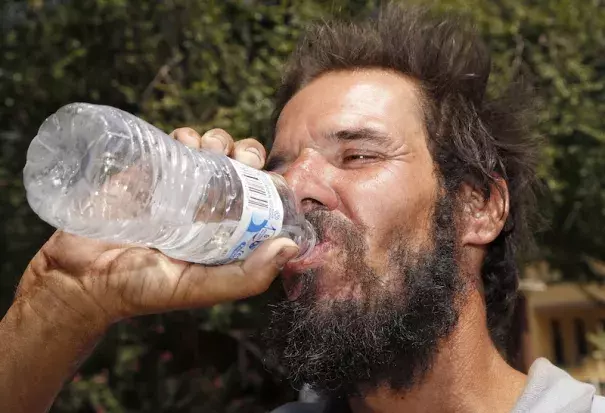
pixel 102 173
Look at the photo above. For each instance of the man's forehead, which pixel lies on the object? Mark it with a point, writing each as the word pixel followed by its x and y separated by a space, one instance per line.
pixel 372 99
pixel 371 93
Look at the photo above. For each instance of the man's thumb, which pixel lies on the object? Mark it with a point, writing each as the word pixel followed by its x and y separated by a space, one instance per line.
pixel 271 255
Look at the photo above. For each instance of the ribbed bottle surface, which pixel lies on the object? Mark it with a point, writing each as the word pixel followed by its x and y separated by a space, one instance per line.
pixel 102 173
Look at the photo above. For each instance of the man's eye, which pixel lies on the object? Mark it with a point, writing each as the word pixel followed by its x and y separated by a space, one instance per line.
pixel 359 158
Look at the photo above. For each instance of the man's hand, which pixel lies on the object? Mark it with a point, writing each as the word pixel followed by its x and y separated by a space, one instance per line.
pixel 75 288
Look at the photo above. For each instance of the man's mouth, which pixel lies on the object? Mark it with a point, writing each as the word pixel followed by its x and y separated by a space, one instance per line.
pixel 294 270
pixel 315 258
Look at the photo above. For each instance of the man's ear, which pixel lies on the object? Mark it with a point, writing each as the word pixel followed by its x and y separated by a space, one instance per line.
pixel 483 218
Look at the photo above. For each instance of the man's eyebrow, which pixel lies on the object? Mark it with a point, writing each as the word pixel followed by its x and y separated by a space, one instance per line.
pixel 361 134
pixel 277 161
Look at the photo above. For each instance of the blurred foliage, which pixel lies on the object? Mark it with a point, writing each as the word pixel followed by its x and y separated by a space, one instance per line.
pixel 204 64
pixel 559 47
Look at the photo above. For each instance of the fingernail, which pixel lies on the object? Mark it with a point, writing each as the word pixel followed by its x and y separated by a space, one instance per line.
pixel 191 139
pixel 285 255
pixel 213 142
pixel 250 156
pixel 255 152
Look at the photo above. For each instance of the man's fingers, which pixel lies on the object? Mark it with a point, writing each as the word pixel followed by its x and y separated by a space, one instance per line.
pixel 188 137
pixel 202 286
pixel 217 140
pixel 247 151
pixel 267 260
pixel 250 152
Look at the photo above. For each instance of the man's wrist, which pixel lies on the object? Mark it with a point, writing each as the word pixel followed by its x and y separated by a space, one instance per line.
pixel 45 303
pixel 42 342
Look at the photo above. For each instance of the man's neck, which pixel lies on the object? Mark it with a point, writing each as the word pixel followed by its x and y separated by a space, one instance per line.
pixel 468 375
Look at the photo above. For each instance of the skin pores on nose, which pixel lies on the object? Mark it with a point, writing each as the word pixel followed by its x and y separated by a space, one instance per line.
pixel 379 184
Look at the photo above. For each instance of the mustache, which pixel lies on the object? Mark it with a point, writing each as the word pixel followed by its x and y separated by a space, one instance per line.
pixel 330 224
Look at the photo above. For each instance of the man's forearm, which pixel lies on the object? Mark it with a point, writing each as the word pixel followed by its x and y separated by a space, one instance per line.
pixel 41 345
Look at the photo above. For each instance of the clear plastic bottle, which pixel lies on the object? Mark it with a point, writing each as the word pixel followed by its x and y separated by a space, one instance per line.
pixel 102 173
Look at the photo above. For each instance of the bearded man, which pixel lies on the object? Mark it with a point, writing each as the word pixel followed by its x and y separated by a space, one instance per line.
pixel 420 188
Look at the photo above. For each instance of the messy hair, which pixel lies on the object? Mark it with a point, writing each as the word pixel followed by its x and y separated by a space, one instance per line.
pixel 473 139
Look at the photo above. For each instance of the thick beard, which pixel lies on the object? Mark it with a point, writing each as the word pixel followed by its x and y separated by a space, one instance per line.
pixel 387 337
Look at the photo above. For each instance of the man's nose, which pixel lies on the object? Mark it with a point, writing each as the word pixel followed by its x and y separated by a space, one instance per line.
pixel 311 177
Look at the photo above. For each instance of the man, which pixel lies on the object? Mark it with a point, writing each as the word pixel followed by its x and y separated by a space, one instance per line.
pixel 420 188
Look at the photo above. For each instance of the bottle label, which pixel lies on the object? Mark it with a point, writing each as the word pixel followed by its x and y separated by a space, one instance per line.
pixel 262 212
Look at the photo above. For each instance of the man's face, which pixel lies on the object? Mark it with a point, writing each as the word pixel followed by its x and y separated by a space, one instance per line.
pixel 382 280
pixel 354 144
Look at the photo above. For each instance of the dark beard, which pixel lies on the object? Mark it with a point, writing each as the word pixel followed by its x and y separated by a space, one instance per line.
pixel 390 336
